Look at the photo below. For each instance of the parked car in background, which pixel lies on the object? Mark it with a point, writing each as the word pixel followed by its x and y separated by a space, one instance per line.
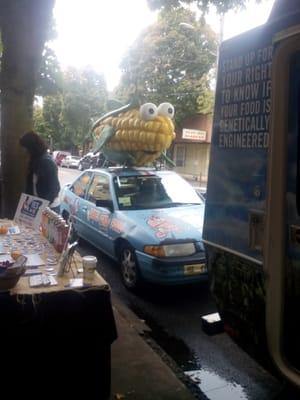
pixel 70 162
pixel 59 155
pixel 91 160
pixel 149 221
pixel 88 161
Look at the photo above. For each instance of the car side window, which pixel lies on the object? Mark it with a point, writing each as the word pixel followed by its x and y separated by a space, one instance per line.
pixel 99 189
pixel 80 186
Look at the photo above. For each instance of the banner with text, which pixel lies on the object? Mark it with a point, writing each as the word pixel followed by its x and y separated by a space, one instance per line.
pixel 29 210
pixel 194 134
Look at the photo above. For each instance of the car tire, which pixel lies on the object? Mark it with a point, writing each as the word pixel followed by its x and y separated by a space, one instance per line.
pixel 129 268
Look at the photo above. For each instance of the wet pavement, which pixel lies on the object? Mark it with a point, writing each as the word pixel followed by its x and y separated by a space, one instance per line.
pixel 251 382
pixel 215 387
pixel 214 365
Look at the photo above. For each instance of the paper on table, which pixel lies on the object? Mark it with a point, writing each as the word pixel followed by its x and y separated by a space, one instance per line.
pixel 34 260
pixel 75 282
pixel 2 251
pixel 33 271
pixel 14 230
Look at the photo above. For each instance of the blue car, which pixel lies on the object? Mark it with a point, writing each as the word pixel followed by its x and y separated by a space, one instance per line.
pixel 149 221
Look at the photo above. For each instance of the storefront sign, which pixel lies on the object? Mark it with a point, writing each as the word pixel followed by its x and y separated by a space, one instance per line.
pixel 194 134
pixel 29 210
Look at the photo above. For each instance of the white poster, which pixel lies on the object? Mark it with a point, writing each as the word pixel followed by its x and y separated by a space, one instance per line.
pixel 29 210
pixel 194 134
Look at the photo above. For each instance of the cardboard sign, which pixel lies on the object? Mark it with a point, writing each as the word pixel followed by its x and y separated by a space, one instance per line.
pixel 194 134
pixel 29 210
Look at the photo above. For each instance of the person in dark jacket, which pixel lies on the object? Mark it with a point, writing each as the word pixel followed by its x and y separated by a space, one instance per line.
pixel 42 178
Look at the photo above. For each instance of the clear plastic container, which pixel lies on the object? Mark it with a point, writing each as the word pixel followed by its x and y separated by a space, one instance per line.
pixel 89 264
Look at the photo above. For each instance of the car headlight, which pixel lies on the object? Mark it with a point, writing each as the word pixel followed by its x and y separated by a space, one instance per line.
pixel 171 250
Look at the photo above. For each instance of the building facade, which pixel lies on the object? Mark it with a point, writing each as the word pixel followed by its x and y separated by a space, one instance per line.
pixel 191 148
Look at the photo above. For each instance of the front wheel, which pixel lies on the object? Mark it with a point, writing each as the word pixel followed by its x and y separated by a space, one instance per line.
pixel 129 268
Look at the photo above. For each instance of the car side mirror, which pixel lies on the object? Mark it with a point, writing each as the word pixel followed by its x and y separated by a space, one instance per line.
pixel 105 204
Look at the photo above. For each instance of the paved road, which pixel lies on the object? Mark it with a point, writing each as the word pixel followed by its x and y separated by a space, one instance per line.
pixel 67 175
pixel 174 314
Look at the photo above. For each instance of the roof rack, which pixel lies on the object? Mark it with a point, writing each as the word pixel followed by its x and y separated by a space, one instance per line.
pixel 128 168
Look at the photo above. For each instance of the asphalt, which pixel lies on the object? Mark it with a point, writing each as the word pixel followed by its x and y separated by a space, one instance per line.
pixel 138 371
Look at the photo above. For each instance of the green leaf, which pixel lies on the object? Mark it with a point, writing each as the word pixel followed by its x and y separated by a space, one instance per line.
pixel 170 63
pixel 70 113
pixel 222 6
pixel 105 136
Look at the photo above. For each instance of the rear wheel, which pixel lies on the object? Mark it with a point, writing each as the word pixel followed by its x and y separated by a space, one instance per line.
pixel 129 268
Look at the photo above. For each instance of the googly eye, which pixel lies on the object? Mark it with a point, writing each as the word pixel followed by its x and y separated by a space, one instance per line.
pixel 148 111
pixel 166 109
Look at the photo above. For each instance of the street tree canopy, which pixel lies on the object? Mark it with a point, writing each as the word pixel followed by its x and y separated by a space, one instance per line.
pixel 83 100
pixel 170 63
pixel 49 79
pixel 67 116
pixel 222 6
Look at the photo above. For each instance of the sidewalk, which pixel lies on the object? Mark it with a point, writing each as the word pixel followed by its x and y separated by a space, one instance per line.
pixel 138 372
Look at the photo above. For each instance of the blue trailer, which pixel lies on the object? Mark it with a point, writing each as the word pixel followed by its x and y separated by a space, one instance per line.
pixel 252 216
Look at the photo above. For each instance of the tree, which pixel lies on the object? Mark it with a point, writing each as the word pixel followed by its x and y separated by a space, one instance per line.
pixel 49 80
pixel 24 25
pixel 38 121
pixel 51 114
pixel 69 114
pixel 170 63
pixel 222 6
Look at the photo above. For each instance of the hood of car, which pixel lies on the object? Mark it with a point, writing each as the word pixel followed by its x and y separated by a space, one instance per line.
pixel 167 224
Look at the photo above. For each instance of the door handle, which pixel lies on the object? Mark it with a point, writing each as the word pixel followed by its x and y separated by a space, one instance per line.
pixel 84 209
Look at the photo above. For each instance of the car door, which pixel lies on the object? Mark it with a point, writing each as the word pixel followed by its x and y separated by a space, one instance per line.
pixel 75 198
pixel 98 218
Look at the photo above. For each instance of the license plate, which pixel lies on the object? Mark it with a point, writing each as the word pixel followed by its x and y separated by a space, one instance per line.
pixel 194 269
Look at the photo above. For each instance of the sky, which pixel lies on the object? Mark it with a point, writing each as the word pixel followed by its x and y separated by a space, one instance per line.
pixel 99 32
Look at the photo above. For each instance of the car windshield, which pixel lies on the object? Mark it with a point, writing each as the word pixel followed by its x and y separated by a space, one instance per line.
pixel 148 192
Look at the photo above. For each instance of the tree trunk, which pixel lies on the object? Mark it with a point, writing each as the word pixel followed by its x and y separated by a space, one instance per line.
pixel 24 26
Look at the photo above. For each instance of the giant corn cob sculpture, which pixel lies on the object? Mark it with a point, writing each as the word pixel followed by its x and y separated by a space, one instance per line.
pixel 135 136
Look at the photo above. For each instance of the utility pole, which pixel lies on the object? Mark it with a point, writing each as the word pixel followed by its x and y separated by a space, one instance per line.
pixel 220 37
